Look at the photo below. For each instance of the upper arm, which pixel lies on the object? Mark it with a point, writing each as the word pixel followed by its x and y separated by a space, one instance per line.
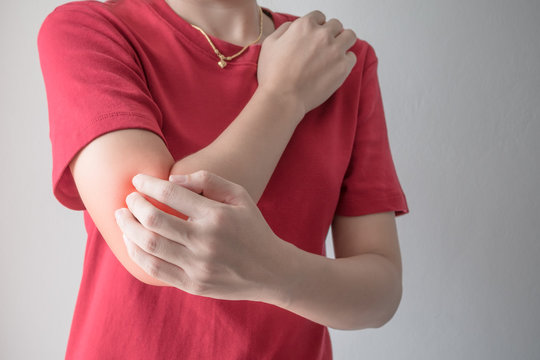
pixel 105 125
pixel 373 233
pixel 102 172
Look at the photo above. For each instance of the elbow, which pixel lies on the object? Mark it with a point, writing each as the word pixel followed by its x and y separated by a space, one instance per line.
pixel 387 312
pixel 375 316
pixel 390 298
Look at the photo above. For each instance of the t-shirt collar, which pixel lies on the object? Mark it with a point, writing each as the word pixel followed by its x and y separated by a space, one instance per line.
pixel 250 55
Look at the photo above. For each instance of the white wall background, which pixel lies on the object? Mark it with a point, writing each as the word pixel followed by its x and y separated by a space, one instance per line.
pixel 461 87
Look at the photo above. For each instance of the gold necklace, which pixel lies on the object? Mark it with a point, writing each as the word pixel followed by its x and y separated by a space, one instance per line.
pixel 222 57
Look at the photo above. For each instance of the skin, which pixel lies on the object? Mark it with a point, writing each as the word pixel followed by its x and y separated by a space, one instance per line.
pixel 226 250
pixel 235 21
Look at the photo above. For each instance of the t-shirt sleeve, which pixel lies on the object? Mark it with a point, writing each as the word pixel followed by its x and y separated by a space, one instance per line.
pixel 371 184
pixel 94 84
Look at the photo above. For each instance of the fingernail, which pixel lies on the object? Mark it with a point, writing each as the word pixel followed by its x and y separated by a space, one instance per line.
pixel 125 238
pixel 178 178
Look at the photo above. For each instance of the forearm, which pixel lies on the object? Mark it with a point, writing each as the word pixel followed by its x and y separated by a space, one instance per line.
pixel 249 149
pixel 358 292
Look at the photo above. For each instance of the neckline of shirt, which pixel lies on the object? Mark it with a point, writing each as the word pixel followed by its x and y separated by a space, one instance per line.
pixel 250 55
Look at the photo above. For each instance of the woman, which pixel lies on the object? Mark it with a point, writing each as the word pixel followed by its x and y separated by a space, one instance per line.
pixel 284 116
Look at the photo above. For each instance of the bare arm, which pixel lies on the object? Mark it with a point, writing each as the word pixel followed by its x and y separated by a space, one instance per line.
pixel 359 289
pixel 240 258
pixel 248 151
pixel 102 172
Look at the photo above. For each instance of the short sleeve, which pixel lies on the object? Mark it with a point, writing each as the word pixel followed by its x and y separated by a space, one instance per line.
pixel 371 184
pixel 94 85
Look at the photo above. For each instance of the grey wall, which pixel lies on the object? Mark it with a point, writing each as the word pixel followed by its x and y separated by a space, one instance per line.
pixel 461 87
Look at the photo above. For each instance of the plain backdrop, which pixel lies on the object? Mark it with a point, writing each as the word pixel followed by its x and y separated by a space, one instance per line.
pixel 461 87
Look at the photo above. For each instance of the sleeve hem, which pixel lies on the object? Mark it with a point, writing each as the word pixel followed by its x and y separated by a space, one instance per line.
pixel 364 206
pixel 64 188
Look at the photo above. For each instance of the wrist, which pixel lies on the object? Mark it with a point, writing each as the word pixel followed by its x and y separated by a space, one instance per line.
pixel 287 103
pixel 286 275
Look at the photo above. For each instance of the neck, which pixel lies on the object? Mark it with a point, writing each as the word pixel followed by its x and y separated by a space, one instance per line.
pixel 234 21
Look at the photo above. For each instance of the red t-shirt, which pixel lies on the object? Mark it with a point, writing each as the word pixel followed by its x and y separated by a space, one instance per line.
pixel 137 64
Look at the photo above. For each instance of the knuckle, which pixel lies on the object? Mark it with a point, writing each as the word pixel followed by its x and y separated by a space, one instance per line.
pixel 236 191
pixel 218 215
pixel 204 175
pixel 323 36
pixel 297 23
pixel 153 219
pixel 240 190
pixel 337 22
pixel 166 192
pixel 151 243
pixel 304 19
pixel 349 37
pixel 312 19
pixel 319 13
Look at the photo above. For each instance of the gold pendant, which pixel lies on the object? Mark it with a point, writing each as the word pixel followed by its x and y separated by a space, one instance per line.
pixel 222 63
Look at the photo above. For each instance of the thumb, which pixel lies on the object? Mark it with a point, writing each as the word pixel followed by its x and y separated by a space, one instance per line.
pixel 211 186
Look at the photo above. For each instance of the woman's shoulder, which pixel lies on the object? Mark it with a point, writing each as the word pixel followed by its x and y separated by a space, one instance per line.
pixel 86 11
pixel 80 7
pixel 87 21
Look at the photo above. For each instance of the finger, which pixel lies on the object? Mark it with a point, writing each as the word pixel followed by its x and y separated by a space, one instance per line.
pixel 212 187
pixel 179 198
pixel 316 16
pixel 151 242
pixel 156 267
pixel 346 39
pixel 158 221
pixel 334 26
